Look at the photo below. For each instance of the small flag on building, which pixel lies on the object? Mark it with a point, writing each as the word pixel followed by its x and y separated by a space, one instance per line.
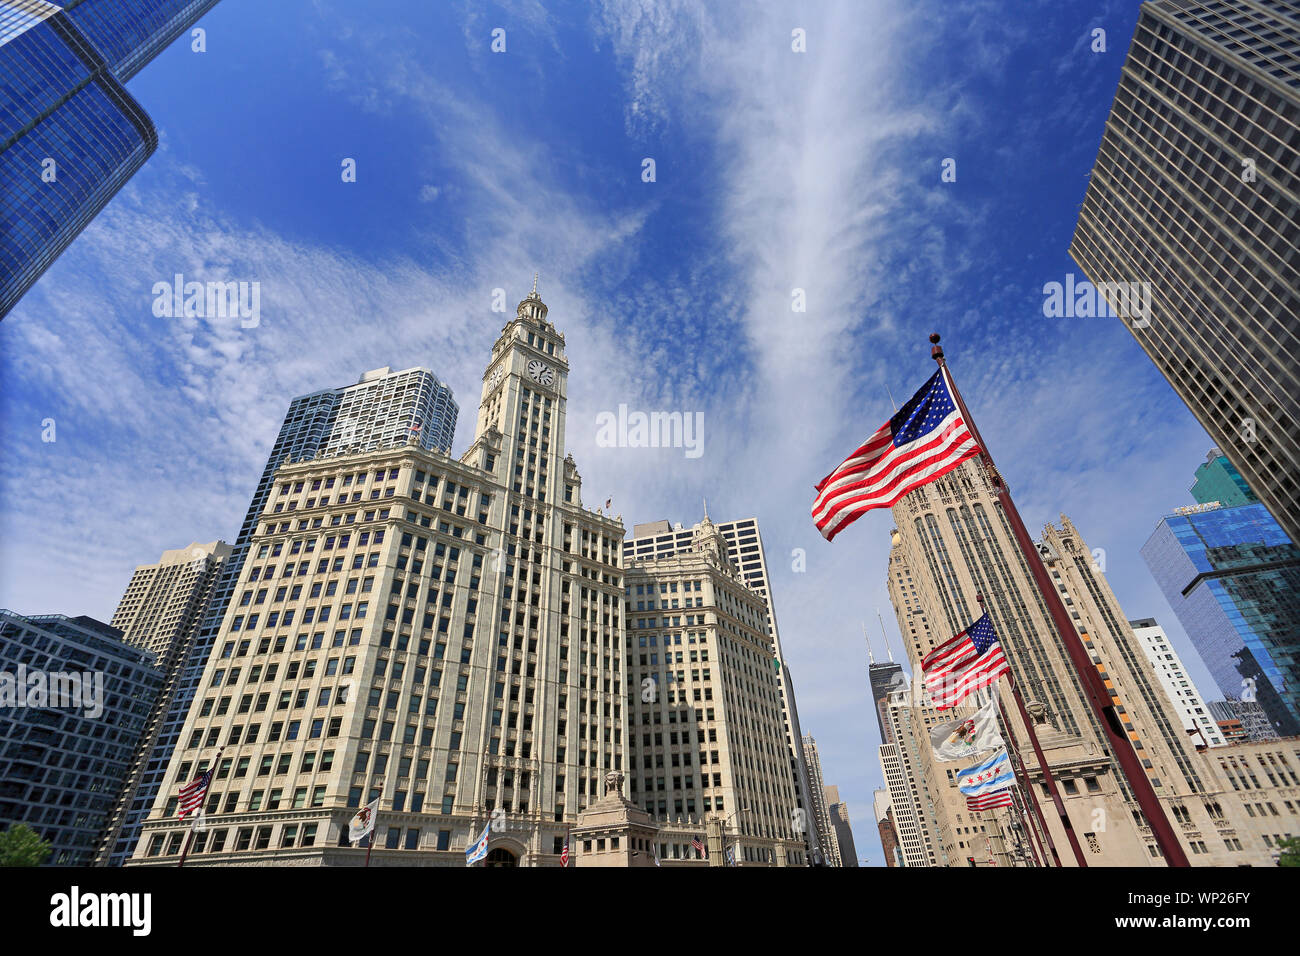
pixel 657 854
pixel 415 427
pixel 731 856
pixel 193 793
pixel 608 502
pixel 699 848
pixel 984 778
pixel 478 849
pixel 924 440
pixel 564 854
pixel 999 798
pixel 363 823
pixel 969 661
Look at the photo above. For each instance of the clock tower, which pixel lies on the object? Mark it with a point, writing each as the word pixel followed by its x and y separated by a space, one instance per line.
pixel 524 394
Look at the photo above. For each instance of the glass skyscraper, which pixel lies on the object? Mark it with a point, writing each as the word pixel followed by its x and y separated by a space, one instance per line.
pixel 1233 578
pixel 70 133
pixel 1217 481
pixel 1194 198
pixel 381 410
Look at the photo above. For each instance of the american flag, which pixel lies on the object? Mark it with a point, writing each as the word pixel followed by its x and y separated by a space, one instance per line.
pixel 987 801
pixel 971 660
pixel 192 793
pixel 925 439
pixel 564 854
pixel 415 428
pixel 699 847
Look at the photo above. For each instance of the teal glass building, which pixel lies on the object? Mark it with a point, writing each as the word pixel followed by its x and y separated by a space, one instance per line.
pixel 70 133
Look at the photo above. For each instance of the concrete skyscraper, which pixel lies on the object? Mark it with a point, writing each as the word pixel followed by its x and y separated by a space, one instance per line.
pixel 1191 212
pixel 65 754
pixel 1232 576
pixel 839 815
pixel 160 612
pixel 443 635
pixel 745 549
pixel 1178 684
pixel 707 742
pixel 71 133
pixel 952 543
pixel 380 410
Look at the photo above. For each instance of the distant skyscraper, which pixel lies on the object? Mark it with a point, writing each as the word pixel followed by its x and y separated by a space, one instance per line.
pixel 885 827
pixel 1217 481
pixel 71 134
pixel 1178 684
pixel 1242 721
pixel 745 548
pixel 820 811
pixel 62 764
pixel 160 611
pixel 1194 197
pixel 706 739
pixel 839 814
pixel 379 411
pixel 1232 577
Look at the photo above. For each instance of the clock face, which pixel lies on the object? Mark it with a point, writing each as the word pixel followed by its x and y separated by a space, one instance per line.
pixel 495 379
pixel 541 372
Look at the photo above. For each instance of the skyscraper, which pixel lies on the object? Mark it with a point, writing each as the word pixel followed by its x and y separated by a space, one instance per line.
pixel 839 814
pixel 382 410
pixel 1178 684
pixel 442 635
pixel 160 612
pixel 64 756
pixel 821 814
pixel 952 544
pixel 1232 576
pixel 71 133
pixel 706 741
pixel 1191 210
pixel 885 827
pixel 745 549
pixel 1217 482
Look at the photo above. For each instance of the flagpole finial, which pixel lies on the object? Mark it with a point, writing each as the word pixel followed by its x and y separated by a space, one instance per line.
pixel 936 350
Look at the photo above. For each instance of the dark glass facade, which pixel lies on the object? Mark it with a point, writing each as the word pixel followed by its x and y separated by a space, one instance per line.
pixel 1233 578
pixel 1196 191
pixel 62 767
pixel 70 134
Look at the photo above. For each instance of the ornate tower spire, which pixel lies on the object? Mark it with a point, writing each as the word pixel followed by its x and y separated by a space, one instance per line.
pixel 532 307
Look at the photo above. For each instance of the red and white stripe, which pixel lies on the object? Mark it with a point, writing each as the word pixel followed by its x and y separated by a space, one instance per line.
pixel 988 801
pixel 192 794
pixel 955 668
pixel 878 474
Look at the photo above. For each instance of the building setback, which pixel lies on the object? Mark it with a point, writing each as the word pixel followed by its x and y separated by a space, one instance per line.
pixel 71 133
pixel 442 635
pixel 62 763
pixel 1194 197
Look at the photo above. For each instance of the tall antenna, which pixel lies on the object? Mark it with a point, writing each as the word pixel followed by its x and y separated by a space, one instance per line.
pixel 886 633
pixel 891 397
pixel 870 656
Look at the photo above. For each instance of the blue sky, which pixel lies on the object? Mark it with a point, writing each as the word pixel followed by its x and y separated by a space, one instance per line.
pixel 775 171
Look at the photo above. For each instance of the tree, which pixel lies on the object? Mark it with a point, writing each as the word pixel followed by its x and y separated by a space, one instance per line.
pixel 22 846
pixel 1290 848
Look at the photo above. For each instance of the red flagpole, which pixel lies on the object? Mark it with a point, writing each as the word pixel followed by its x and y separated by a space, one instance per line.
pixel 1094 689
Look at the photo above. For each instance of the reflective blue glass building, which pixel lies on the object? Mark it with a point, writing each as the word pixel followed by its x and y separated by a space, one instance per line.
pixel 70 133
pixel 1233 578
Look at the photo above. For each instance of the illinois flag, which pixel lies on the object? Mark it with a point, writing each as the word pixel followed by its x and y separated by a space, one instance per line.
pixel 964 737
pixel 925 439
pixel 364 822
pixel 478 850
pixel 993 774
